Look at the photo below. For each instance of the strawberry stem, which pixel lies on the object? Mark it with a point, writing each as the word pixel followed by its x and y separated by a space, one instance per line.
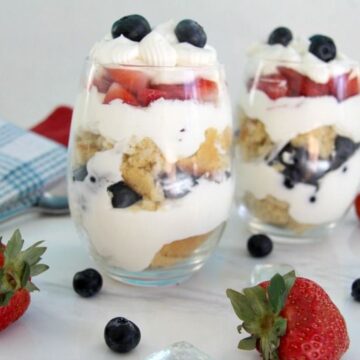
pixel 259 308
pixel 19 266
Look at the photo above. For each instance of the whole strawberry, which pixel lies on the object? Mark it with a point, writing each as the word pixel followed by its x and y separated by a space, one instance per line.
pixel 357 206
pixel 290 318
pixel 17 267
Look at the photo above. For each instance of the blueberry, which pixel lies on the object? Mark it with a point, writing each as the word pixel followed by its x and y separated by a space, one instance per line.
pixel 178 185
pixel 133 27
pixel 122 196
pixel 259 245
pixel 80 173
pixel 280 35
pixel 191 32
pixel 288 183
pixel 87 283
pixel 121 335
pixel 322 47
pixel 355 290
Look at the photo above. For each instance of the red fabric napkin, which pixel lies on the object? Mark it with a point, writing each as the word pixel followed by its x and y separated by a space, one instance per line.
pixel 56 126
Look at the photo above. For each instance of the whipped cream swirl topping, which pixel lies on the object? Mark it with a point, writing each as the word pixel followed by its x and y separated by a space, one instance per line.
pixel 158 48
pixel 296 55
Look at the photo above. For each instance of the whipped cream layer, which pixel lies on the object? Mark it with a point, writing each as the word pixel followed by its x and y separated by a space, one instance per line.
pixel 130 238
pixel 177 127
pixel 287 117
pixel 159 48
pixel 336 190
pixel 265 58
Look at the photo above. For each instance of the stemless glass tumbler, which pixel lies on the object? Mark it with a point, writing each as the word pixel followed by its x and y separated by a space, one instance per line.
pixel 298 146
pixel 150 175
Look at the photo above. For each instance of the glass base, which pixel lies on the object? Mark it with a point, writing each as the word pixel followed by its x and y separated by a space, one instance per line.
pixel 285 235
pixel 163 276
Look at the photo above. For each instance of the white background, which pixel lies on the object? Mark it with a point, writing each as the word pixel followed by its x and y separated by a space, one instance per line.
pixel 43 42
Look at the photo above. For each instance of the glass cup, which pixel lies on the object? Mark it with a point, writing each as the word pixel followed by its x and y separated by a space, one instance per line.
pixel 298 148
pixel 150 174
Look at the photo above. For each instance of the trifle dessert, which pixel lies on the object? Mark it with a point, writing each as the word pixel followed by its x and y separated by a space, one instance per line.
pixel 299 138
pixel 151 180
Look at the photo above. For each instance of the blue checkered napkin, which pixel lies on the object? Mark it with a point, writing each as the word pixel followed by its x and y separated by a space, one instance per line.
pixel 29 163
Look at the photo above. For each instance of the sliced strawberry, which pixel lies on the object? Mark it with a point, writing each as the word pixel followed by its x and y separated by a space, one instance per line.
pixel 132 80
pixel 116 91
pixel 357 206
pixel 102 83
pixel 147 96
pixel 294 80
pixel 177 91
pixel 206 90
pixel 344 86
pixel 274 86
pixel 311 88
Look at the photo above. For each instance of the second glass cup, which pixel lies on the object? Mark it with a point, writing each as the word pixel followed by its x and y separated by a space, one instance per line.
pixel 298 146
pixel 151 179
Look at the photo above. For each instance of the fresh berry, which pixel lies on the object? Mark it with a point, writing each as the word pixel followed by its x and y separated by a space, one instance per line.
pixel 344 86
pixel 311 88
pixel 176 186
pixel 102 82
pixel 191 32
pixel 294 80
pixel 147 96
pixel 133 27
pixel 121 335
pixel 87 283
pixel 17 268
pixel 122 196
pixel 176 91
pixel 132 80
pixel 116 91
pixel 355 290
pixel 290 318
pixel 274 86
pixel 280 35
pixel 357 206
pixel 323 47
pixel 259 245
pixel 206 90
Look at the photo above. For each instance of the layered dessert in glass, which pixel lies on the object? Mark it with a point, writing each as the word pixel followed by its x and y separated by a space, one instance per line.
pixel 151 178
pixel 299 139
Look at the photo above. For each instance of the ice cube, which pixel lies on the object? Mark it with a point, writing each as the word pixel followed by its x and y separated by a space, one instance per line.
pixel 267 271
pixel 179 351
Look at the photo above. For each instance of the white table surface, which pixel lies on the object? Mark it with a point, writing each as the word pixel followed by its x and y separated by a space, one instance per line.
pixel 61 325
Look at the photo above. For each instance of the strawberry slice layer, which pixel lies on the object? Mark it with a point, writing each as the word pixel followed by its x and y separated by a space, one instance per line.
pixel 116 91
pixel 290 83
pixel 207 90
pixel 132 80
pixel 147 96
pixel 274 86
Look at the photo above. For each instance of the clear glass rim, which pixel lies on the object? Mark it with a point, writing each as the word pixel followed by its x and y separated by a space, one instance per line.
pixel 216 66
pixel 339 62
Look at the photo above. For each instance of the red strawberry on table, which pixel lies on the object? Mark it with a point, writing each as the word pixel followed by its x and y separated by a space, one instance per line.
pixel 132 80
pixel 357 206
pixel 290 318
pixel 117 91
pixel 17 267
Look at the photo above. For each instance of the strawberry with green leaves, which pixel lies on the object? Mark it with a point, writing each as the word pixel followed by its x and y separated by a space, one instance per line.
pixel 290 318
pixel 17 267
